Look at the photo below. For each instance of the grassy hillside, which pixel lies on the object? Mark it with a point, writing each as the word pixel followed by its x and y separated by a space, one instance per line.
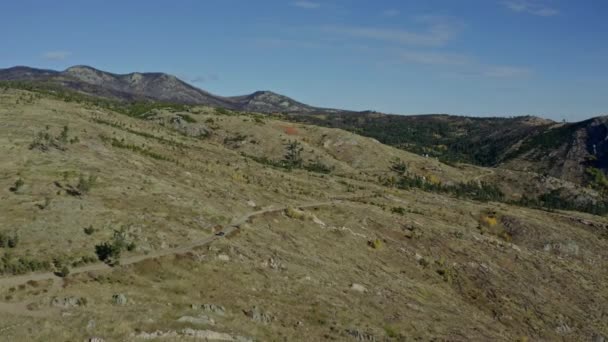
pixel 340 237
pixel 481 141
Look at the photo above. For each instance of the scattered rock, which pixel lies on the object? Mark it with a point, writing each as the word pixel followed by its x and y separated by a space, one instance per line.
pixel 204 335
pixel 68 302
pixel 361 336
pixel 95 339
pixel 421 260
pixel 202 319
pixel 119 299
pixel 251 203
pixel 91 324
pixel 216 309
pixel 258 316
pixel 358 287
pixel 223 257
pixel 563 329
pixel 598 338
pixel 275 264
pixel 563 248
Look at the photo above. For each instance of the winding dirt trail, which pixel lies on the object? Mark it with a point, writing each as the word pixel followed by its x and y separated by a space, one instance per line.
pixel 21 308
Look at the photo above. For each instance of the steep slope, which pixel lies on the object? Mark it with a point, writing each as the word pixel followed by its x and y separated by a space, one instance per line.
pixel 566 151
pixel 482 141
pixel 569 151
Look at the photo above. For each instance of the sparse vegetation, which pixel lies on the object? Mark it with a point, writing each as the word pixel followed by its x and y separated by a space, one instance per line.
pixel 85 184
pixel 375 244
pixel 89 230
pixel 110 251
pixel 19 183
pixel 398 210
pixel 293 155
pixel 63 272
pixel 140 150
pixel 9 240
pixel 44 141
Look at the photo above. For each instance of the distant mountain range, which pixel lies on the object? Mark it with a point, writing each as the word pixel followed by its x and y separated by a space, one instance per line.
pixel 564 150
pixel 155 87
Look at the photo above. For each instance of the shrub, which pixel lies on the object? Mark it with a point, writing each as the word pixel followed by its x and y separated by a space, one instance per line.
pixel 9 241
pixel 293 154
pixel 46 204
pixel 110 251
pixel 488 220
pixel 375 244
pixel 222 111
pixel 63 136
pixel 64 272
pixel 295 213
pixel 44 141
pixel 89 230
pixel 107 252
pixel 187 118
pixel 19 183
pixel 397 165
pixel 85 184
pixel 317 166
pixel 398 210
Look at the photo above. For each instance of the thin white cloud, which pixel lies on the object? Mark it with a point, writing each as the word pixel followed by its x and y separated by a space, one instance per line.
pixel 307 4
pixel 56 55
pixel 434 58
pixel 531 7
pixel 506 72
pixel 461 64
pixel 391 12
pixel 437 35
pixel 434 31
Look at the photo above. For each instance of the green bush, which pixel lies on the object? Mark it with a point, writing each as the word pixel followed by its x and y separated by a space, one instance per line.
pixel 293 154
pixel 110 251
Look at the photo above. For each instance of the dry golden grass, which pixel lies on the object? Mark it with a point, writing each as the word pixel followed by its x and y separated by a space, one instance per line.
pixel 435 276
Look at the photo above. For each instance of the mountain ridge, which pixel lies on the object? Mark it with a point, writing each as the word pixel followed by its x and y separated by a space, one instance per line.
pixel 155 86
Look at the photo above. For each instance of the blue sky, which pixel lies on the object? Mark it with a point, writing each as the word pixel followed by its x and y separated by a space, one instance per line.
pixel 468 57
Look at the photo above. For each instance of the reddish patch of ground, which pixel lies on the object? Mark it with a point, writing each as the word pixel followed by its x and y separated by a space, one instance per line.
pixel 290 130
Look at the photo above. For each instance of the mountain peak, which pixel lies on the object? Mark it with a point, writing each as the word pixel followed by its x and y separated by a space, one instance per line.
pixel 156 86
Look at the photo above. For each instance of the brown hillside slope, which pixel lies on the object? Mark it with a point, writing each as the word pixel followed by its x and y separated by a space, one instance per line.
pixel 379 264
